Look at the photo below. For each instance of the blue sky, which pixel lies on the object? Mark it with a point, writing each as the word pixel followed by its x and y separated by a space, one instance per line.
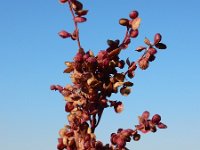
pixel 32 58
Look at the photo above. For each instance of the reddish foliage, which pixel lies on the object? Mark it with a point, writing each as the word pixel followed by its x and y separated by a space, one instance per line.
pixel 95 79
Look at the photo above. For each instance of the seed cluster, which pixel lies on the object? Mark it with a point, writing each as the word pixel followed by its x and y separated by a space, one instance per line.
pixel 95 78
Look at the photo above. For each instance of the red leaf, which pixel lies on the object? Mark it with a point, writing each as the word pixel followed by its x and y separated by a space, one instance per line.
pixel 140 48
pixel 80 19
pixel 157 38
pixel 64 34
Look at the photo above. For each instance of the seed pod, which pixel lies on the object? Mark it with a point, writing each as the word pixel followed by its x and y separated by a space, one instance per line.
pixel 134 33
pixel 64 34
pixel 80 19
pixel 157 38
pixel 133 14
pixel 124 22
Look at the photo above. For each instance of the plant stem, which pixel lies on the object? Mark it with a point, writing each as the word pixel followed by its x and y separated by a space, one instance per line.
pixel 75 24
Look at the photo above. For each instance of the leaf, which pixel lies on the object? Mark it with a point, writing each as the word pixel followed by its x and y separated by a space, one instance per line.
pixel 117 84
pixel 147 41
pixel 115 52
pixel 128 61
pixel 68 70
pixel 162 125
pixel 128 83
pixel 76 5
pixel 80 19
pixel 119 77
pixel 119 107
pixel 157 38
pixel 132 67
pixel 81 12
pixel 140 48
pixel 125 91
pixel 136 23
pixel 161 46
pixel 64 34
pixel 145 114
pixel 124 22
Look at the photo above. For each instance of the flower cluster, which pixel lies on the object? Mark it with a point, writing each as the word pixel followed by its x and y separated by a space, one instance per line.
pixel 95 78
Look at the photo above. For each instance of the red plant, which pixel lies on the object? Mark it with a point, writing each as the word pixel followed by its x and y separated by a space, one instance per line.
pixel 95 79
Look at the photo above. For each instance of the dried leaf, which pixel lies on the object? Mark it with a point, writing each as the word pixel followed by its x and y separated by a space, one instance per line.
pixel 136 23
pixel 140 48
pixel 124 22
pixel 68 70
pixel 119 77
pixel 115 52
pixel 92 81
pixel 117 84
pixel 81 12
pixel 128 83
pixel 147 41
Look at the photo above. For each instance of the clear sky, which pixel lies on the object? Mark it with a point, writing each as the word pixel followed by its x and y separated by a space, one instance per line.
pixel 32 58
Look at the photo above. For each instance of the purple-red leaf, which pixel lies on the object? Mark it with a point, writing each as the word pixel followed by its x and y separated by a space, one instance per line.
pixel 161 46
pixel 157 38
pixel 64 34
pixel 80 19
